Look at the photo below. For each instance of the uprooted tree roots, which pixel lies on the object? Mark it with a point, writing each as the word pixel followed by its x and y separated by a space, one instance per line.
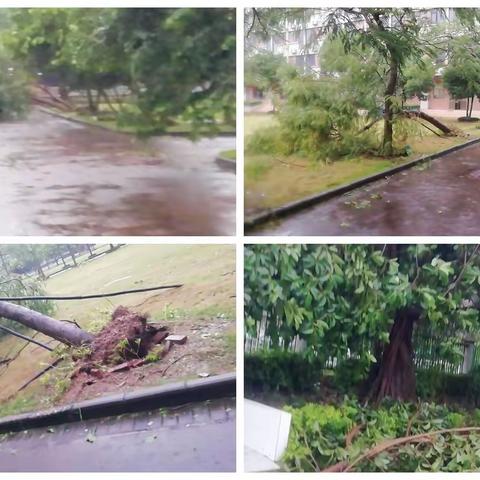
pixel 127 341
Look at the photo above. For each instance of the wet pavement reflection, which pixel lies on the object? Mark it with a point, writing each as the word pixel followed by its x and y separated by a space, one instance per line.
pixel 198 437
pixel 63 178
pixel 438 198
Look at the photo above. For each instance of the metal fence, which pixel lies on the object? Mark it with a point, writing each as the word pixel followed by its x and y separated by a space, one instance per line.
pixel 430 352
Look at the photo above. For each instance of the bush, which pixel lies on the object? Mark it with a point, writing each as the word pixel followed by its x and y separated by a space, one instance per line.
pixel 14 97
pixel 292 372
pixel 349 374
pixel 278 370
pixel 316 122
pixel 318 437
pixel 267 140
pixel 440 386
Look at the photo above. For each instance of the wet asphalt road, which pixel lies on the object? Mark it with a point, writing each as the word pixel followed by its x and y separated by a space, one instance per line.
pixel 439 198
pixel 63 178
pixel 195 438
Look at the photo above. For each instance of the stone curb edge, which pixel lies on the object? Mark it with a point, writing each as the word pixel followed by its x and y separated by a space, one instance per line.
pixel 284 210
pixel 175 394
pixel 226 163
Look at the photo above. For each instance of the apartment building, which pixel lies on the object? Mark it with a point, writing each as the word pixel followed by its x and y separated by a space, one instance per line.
pixel 300 44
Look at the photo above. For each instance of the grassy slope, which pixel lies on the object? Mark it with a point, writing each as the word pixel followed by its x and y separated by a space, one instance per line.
pixel 206 271
pixel 270 183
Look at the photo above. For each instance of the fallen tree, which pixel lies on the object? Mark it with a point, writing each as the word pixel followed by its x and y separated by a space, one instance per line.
pixel 445 129
pixel 64 332
pixel 428 118
pixel 395 443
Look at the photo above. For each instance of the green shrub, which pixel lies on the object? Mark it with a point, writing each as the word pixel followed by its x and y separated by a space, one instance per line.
pixel 349 374
pixel 439 386
pixel 474 385
pixel 14 96
pixel 318 437
pixel 268 140
pixel 316 122
pixel 319 122
pixel 278 370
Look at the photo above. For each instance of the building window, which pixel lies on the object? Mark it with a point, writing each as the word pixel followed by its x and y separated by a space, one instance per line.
pixel 312 36
pixel 294 36
pixel 311 60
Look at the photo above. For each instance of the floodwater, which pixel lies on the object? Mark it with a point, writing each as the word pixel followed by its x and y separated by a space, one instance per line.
pixel 63 178
pixel 439 198
pixel 196 438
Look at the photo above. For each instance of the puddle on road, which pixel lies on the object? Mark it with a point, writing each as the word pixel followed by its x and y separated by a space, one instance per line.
pixel 120 179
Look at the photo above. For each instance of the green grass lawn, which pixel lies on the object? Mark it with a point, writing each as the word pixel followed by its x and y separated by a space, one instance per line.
pixel 272 180
pixel 229 154
pixel 208 293
pixel 178 128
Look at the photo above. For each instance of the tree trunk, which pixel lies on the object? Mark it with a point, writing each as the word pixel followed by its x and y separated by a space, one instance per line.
pixel 92 106
pixel 61 331
pixel 395 377
pixel 4 263
pixel 471 106
pixel 104 94
pixel 72 254
pixel 441 126
pixel 41 273
pixel 387 144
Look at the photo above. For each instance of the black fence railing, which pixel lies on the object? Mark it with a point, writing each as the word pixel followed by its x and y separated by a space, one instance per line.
pixel 452 353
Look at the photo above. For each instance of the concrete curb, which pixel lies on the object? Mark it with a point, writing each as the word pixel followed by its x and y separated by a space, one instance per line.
pixel 108 129
pixel 226 163
pixel 284 210
pixel 175 394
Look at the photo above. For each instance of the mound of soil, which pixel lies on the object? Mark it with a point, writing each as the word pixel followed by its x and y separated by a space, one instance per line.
pixel 121 344
pixel 125 337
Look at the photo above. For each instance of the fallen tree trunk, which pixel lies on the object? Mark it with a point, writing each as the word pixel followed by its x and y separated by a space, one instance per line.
pixel 61 331
pixel 392 443
pixel 428 118
pixel 397 442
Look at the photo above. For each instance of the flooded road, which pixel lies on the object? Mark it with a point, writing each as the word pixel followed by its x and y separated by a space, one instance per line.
pixel 438 198
pixel 199 437
pixel 63 178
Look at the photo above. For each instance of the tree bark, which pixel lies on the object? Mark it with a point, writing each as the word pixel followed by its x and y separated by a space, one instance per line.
pixel 61 331
pixel 4 263
pixel 72 254
pixel 395 376
pixel 92 106
pixel 387 144
pixel 441 126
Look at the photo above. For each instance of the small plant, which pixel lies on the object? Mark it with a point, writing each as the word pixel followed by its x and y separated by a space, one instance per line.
pixel 155 354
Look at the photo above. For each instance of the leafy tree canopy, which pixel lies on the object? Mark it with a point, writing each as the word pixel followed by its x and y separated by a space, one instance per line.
pixel 462 76
pixel 174 61
pixel 345 298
